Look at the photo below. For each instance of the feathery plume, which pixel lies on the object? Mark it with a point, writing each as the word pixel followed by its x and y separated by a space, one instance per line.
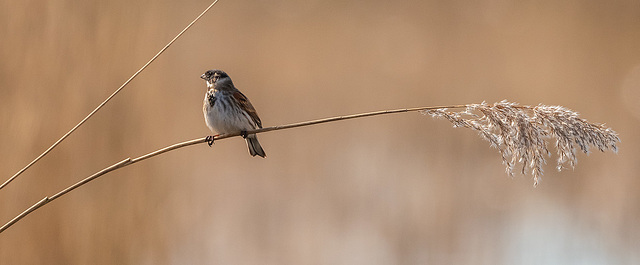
pixel 520 133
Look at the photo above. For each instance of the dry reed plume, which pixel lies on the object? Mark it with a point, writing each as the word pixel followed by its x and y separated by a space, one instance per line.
pixel 520 133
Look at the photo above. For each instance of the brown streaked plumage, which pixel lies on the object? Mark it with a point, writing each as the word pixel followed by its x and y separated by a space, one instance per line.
pixel 227 110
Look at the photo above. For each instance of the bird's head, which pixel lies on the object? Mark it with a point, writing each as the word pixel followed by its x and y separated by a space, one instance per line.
pixel 215 78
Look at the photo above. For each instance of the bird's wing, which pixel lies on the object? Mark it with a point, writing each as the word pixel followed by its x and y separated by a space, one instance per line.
pixel 244 102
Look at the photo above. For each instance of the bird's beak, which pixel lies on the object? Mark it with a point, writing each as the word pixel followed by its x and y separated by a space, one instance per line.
pixel 203 77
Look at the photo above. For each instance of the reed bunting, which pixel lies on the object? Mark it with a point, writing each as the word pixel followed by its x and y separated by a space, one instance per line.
pixel 227 110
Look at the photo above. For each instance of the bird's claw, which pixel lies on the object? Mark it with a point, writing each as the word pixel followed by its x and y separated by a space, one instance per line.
pixel 243 134
pixel 209 140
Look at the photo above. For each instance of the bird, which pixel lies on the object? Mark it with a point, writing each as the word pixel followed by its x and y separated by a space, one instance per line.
pixel 227 110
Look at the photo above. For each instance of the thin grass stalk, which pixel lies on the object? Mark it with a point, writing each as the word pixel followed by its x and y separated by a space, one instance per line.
pixel 128 161
pixel 518 132
pixel 106 100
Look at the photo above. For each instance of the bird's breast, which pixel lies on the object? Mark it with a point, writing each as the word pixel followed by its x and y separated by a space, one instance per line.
pixel 223 116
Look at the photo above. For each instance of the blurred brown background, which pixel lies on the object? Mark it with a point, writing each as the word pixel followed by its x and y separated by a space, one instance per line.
pixel 400 189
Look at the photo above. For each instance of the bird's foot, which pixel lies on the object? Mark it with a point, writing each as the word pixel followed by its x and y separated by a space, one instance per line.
pixel 243 134
pixel 209 140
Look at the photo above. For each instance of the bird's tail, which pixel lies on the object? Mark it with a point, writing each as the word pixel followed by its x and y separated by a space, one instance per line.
pixel 254 146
